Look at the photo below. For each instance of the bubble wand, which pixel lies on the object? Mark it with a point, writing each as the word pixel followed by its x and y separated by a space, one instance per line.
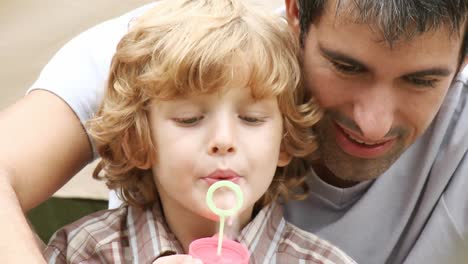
pixel 223 213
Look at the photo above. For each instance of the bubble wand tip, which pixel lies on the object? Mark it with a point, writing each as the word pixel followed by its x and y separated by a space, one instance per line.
pixel 220 212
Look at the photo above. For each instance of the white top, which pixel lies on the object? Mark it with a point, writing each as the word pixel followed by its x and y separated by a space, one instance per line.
pixel 78 72
pixel 416 212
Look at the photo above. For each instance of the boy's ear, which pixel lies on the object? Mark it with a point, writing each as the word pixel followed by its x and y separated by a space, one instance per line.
pixel 139 155
pixel 284 158
pixel 292 15
pixel 143 166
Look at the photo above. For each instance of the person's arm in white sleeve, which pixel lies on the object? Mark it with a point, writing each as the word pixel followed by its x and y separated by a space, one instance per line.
pixel 42 144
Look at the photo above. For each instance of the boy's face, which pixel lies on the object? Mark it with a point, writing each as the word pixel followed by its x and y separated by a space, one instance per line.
pixel 206 138
pixel 378 100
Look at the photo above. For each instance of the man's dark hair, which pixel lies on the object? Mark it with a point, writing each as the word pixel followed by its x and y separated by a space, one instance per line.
pixel 396 19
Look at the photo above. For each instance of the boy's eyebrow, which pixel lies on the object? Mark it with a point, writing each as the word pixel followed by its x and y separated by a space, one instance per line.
pixel 339 56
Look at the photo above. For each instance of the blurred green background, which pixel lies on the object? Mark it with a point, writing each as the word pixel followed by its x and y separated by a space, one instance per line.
pixel 57 212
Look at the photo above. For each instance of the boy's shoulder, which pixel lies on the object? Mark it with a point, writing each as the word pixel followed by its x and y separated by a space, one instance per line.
pixel 95 224
pixel 299 244
pixel 270 238
pixel 84 237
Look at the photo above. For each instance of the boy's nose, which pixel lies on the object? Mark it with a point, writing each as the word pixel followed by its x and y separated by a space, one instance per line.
pixel 222 138
pixel 221 149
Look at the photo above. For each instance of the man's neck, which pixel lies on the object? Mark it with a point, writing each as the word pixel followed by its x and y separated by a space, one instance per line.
pixel 329 177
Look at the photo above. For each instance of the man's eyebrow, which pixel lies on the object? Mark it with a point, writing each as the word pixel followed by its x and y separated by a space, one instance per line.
pixel 339 56
pixel 438 71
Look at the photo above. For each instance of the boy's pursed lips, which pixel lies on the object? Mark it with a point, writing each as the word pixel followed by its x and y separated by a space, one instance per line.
pixel 220 175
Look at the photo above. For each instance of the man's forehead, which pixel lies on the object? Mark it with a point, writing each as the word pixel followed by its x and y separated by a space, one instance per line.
pixel 361 44
pixel 388 22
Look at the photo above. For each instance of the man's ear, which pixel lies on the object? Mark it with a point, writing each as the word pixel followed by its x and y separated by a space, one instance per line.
pixel 284 158
pixel 292 15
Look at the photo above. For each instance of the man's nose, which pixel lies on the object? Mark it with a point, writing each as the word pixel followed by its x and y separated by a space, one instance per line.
pixel 374 112
pixel 221 141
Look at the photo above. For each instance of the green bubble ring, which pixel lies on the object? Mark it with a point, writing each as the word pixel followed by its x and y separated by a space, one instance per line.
pixel 224 212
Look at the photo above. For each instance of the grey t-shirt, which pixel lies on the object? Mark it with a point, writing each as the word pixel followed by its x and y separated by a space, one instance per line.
pixel 417 212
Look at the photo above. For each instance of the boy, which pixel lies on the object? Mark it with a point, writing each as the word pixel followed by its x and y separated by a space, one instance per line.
pixel 199 91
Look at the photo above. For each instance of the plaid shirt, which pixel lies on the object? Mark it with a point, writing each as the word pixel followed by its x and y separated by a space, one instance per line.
pixel 132 235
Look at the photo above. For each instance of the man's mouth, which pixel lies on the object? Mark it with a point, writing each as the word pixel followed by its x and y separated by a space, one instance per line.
pixel 222 175
pixel 360 147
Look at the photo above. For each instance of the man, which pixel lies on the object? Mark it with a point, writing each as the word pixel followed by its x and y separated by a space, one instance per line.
pixel 390 184
pixel 393 171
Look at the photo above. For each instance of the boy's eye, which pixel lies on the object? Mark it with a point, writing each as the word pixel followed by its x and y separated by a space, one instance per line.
pixel 422 82
pixel 347 68
pixel 188 121
pixel 251 120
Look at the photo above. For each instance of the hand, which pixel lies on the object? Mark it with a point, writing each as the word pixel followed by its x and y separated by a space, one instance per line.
pixel 178 259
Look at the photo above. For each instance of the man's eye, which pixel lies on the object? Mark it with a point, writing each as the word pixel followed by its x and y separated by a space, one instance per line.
pixel 251 120
pixel 422 82
pixel 346 68
pixel 188 121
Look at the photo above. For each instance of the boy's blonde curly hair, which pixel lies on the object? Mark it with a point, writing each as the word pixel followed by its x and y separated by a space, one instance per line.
pixel 191 47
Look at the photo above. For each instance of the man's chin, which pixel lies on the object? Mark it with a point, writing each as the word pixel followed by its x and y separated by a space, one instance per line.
pixel 344 168
pixel 357 170
pixel 341 170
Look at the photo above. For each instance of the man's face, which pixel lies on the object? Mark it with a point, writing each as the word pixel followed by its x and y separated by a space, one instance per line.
pixel 377 99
